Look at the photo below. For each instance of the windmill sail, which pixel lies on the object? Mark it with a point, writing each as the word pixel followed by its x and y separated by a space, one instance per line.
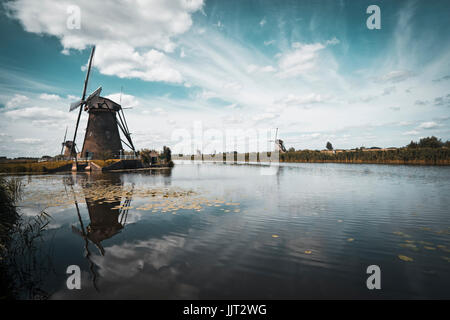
pixel 83 97
pixel 94 94
pixel 75 105
pixel 64 142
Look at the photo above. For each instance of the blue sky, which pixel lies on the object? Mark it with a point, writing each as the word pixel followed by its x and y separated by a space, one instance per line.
pixel 311 68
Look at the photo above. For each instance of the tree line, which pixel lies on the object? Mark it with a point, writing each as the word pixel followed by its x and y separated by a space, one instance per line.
pixel 430 150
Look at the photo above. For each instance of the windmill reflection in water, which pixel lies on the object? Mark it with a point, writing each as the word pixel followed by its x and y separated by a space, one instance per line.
pixel 107 218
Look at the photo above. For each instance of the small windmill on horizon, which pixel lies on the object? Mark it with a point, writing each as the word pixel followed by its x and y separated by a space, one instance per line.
pixel 66 147
pixel 106 117
pixel 278 144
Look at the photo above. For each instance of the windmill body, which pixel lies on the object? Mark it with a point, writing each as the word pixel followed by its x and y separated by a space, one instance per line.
pixel 102 138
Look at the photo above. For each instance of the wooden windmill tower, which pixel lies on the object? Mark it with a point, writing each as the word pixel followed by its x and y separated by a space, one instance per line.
pixel 102 138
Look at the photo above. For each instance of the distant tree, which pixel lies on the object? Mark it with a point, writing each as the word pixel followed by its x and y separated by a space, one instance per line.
pixel 166 154
pixel 329 146
pixel 412 145
pixel 430 142
pixel 291 149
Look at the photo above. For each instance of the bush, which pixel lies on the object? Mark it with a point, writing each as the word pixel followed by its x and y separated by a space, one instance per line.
pixel 145 155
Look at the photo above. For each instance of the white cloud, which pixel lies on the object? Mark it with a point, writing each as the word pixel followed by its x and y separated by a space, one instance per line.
pixel 206 94
pixel 124 61
pixel 37 113
pixel 233 86
pixel 159 111
pixel 314 135
pixel 300 60
pixel 49 97
pixel 428 125
pixel 266 116
pixel 131 36
pixel 27 140
pixel 17 101
pixel 127 100
pixel 411 133
pixel 263 22
pixel 233 106
pixel 302 100
pixel 269 42
pixel 254 68
pixel 149 23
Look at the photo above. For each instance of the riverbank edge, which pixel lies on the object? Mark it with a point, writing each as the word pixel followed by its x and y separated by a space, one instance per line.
pixel 392 162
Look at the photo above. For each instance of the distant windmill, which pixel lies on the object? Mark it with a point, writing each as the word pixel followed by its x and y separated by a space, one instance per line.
pixel 278 143
pixel 66 148
pixel 105 118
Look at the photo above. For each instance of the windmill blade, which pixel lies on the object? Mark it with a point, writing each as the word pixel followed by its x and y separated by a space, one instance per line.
pixel 94 94
pixel 64 141
pixel 75 105
pixel 83 96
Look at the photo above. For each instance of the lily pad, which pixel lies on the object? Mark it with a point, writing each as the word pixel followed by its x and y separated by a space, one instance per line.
pixel 405 258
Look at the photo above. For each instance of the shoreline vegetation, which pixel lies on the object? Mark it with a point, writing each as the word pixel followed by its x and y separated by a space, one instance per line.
pixel 428 151
pixel 21 239
pixel 148 159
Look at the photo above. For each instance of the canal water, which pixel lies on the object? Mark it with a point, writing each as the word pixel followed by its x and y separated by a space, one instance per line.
pixel 221 231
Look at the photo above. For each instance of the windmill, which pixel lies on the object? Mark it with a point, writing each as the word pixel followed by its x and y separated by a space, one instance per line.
pixel 66 148
pixel 279 144
pixel 106 117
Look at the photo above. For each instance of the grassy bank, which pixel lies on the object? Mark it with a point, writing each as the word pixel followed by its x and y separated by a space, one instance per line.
pixel 30 166
pixel 424 156
pixel 418 156
pixel 105 163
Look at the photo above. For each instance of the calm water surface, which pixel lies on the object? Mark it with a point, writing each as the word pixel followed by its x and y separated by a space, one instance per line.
pixel 213 231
